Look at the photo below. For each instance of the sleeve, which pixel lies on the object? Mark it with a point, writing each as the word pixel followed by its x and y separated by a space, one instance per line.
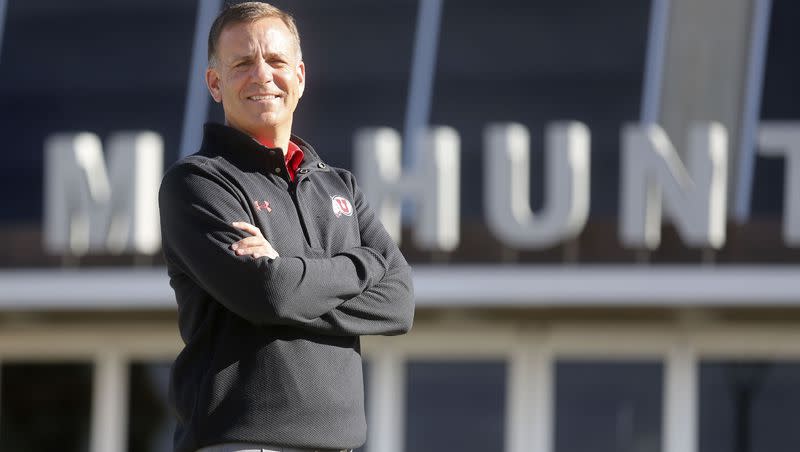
pixel 197 210
pixel 386 308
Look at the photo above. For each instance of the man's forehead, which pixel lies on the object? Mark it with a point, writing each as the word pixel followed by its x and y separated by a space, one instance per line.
pixel 243 38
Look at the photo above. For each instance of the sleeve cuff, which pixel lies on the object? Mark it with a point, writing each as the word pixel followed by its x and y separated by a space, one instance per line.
pixel 370 265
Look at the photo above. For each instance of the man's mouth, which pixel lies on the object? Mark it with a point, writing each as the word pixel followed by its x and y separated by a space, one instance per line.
pixel 264 97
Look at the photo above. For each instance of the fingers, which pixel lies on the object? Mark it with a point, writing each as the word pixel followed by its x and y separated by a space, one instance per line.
pixel 255 246
pixel 247 227
pixel 255 252
pixel 250 242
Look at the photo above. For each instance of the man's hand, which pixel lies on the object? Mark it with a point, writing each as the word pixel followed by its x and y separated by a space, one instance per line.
pixel 255 246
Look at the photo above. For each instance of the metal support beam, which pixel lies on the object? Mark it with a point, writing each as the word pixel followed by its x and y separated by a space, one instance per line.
pixel 386 402
pixel 530 396
pixel 752 108
pixel 654 62
pixel 3 7
pixel 423 68
pixel 680 400
pixel 196 110
pixel 109 431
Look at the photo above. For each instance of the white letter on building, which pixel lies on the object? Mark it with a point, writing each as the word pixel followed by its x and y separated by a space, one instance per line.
pixel 507 181
pixel 782 139
pixel 694 198
pixel 433 185
pixel 88 211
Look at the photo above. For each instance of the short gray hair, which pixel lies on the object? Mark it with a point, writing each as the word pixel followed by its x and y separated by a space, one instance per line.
pixel 247 12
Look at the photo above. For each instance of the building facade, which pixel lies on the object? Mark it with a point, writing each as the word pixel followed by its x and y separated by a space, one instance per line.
pixel 577 342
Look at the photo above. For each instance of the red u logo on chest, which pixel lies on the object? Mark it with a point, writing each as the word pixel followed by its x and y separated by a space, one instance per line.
pixel 341 206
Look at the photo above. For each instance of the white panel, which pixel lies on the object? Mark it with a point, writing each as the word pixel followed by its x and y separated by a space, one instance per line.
pixel 680 400
pixel 109 404
pixel 386 402
pixel 449 286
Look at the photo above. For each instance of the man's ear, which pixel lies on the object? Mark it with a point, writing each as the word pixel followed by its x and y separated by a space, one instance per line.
pixel 301 77
pixel 213 84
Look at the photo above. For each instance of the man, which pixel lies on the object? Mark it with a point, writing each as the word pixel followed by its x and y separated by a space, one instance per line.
pixel 277 262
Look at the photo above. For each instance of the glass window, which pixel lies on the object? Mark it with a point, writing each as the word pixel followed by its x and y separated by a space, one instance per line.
pixel 749 406
pixel 87 65
pixel 357 55
pixel 537 62
pixel 45 407
pixel 150 423
pixel 778 103
pixel 455 405
pixel 606 406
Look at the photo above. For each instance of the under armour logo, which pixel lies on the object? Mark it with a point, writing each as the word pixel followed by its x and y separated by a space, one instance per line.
pixel 262 205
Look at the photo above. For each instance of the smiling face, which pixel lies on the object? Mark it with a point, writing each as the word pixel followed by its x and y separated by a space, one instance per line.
pixel 259 76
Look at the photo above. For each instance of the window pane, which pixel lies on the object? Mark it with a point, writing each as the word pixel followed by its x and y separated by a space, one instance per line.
pixel 151 425
pixel 779 92
pixel 45 407
pixel 608 406
pixel 749 407
pixel 536 62
pixel 458 406
pixel 110 66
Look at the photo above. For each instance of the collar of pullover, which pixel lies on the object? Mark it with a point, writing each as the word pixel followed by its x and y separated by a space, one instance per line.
pixel 250 155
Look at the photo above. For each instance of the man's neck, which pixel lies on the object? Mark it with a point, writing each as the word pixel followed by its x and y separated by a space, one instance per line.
pixel 270 139
pixel 275 141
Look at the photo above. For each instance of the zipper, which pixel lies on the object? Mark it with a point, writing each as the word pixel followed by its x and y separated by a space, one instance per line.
pixel 293 193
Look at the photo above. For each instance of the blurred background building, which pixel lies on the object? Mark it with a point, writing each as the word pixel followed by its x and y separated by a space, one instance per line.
pixel 587 344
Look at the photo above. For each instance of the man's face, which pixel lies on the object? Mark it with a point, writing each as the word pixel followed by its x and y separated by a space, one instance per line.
pixel 258 77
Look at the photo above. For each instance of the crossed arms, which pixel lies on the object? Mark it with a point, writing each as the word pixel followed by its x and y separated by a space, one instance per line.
pixel 363 290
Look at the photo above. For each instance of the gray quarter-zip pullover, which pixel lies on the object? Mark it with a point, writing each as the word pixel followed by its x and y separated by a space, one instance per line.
pixel 272 350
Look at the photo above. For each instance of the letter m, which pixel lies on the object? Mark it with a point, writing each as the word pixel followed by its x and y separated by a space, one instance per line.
pixel 89 207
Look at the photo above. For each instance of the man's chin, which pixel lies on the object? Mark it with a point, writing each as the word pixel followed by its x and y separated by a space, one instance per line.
pixel 260 126
pixel 272 120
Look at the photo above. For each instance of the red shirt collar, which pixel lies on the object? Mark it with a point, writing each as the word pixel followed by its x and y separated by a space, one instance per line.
pixel 294 158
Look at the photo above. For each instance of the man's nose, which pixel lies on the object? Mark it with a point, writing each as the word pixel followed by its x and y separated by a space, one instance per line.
pixel 262 71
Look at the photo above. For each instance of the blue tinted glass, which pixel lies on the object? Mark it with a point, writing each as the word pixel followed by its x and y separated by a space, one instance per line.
pixel 778 102
pixel 45 407
pixel 749 406
pixel 150 424
pixel 455 406
pixel 87 65
pixel 533 62
pixel 608 406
